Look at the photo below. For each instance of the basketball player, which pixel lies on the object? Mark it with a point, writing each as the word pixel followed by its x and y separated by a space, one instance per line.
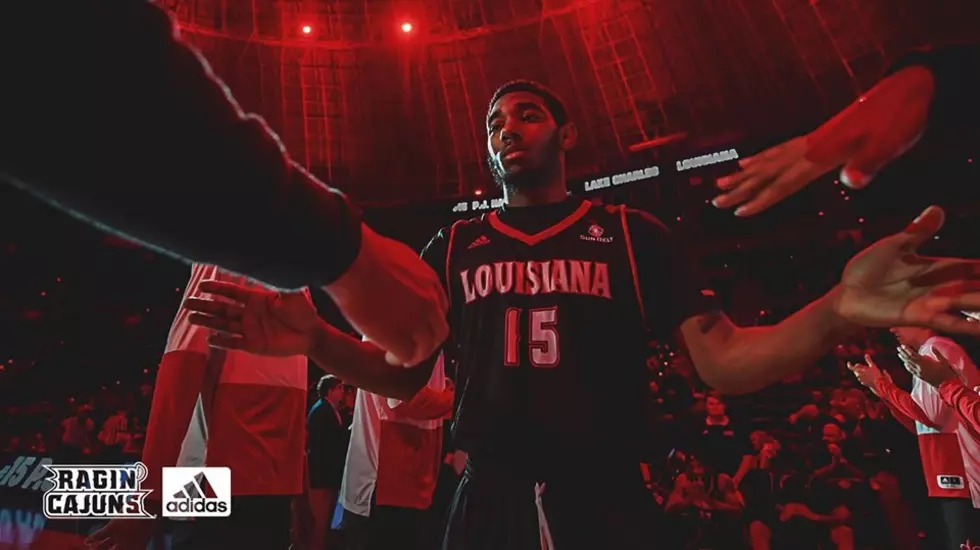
pixel 937 372
pixel 949 448
pixel 153 150
pixel 926 91
pixel 551 300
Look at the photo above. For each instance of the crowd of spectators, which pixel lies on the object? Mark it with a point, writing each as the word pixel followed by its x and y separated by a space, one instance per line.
pixel 815 462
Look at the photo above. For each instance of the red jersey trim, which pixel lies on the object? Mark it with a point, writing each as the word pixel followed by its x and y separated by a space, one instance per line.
pixel 629 252
pixel 540 236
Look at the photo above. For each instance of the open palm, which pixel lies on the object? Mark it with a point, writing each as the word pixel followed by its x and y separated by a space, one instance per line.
pixel 889 285
pixel 255 320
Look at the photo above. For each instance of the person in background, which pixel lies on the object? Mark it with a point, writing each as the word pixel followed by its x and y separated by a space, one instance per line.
pixel 393 465
pixel 213 407
pixel 563 423
pixel 760 488
pixel 115 434
pixel 76 434
pixel 949 449
pixel 326 445
pixel 926 92
pixel 722 446
pixel 938 373
pixel 146 136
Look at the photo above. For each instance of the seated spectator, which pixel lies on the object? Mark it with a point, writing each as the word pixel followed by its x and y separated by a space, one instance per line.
pixel 708 506
pixel 722 445
pixel 760 489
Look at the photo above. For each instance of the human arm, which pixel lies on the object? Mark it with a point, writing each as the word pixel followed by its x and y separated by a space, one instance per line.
pixel 965 400
pixel 264 322
pixel 180 382
pixel 887 284
pixel 940 370
pixel 899 401
pixel 925 93
pixel 427 404
pixel 151 145
pixel 160 151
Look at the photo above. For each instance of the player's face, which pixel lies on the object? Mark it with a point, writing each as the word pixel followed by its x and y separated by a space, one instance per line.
pixel 523 142
pixel 912 337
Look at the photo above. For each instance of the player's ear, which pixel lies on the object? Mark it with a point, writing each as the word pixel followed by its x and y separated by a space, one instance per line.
pixel 568 134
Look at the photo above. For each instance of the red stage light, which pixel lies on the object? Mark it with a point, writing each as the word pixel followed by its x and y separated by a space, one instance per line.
pixel 478 192
pixel 407 27
pixel 307 29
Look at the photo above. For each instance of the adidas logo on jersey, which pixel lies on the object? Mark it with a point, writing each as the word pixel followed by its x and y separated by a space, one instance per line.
pixel 950 482
pixel 480 241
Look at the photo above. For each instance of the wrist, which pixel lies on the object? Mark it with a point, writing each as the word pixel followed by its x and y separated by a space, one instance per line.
pixel 839 322
pixel 350 281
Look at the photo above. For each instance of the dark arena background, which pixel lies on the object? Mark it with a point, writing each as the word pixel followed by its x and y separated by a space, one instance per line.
pixel 387 99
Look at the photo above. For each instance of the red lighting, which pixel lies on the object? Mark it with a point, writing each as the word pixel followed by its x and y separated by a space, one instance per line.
pixel 478 192
pixel 307 29
pixel 407 27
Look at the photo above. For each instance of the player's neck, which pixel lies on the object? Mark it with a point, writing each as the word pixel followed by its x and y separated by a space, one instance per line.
pixel 551 193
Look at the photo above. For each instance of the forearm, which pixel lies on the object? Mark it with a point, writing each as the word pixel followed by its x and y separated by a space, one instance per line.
pixel 901 402
pixel 151 145
pixel 965 400
pixel 741 360
pixel 178 385
pixel 953 109
pixel 427 404
pixel 363 364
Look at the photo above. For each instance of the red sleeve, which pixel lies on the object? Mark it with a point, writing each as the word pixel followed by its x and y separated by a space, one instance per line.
pixel 964 400
pixel 901 403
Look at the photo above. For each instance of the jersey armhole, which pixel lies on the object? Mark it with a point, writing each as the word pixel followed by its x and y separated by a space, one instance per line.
pixel 449 255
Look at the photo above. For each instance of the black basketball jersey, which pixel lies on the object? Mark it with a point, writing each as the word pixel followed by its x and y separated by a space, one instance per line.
pixel 549 333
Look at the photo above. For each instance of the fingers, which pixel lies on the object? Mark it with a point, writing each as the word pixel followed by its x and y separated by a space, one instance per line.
pixel 216 323
pixel 788 183
pixel 924 227
pixel 950 270
pixel 228 341
pixel 233 291
pixel 232 312
pixel 947 322
pixel 870 361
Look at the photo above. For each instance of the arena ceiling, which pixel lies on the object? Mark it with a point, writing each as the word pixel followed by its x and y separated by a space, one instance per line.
pixel 395 116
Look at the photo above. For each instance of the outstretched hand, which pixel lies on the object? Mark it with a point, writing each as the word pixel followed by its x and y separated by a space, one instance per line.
pixel 871 133
pixel 890 285
pixel 254 319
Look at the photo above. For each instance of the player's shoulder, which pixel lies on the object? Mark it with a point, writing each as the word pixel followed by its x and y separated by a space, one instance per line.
pixel 642 219
pixel 466 226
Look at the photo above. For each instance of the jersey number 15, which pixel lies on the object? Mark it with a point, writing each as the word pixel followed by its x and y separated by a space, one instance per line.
pixel 542 339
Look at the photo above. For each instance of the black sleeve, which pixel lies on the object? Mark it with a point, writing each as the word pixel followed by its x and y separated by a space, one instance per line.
pixel 954 106
pixel 672 287
pixel 109 116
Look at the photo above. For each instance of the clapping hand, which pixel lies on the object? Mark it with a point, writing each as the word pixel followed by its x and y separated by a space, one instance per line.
pixel 932 371
pixel 869 374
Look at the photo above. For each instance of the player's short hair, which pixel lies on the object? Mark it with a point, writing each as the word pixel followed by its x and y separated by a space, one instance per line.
pixel 551 100
pixel 327 383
